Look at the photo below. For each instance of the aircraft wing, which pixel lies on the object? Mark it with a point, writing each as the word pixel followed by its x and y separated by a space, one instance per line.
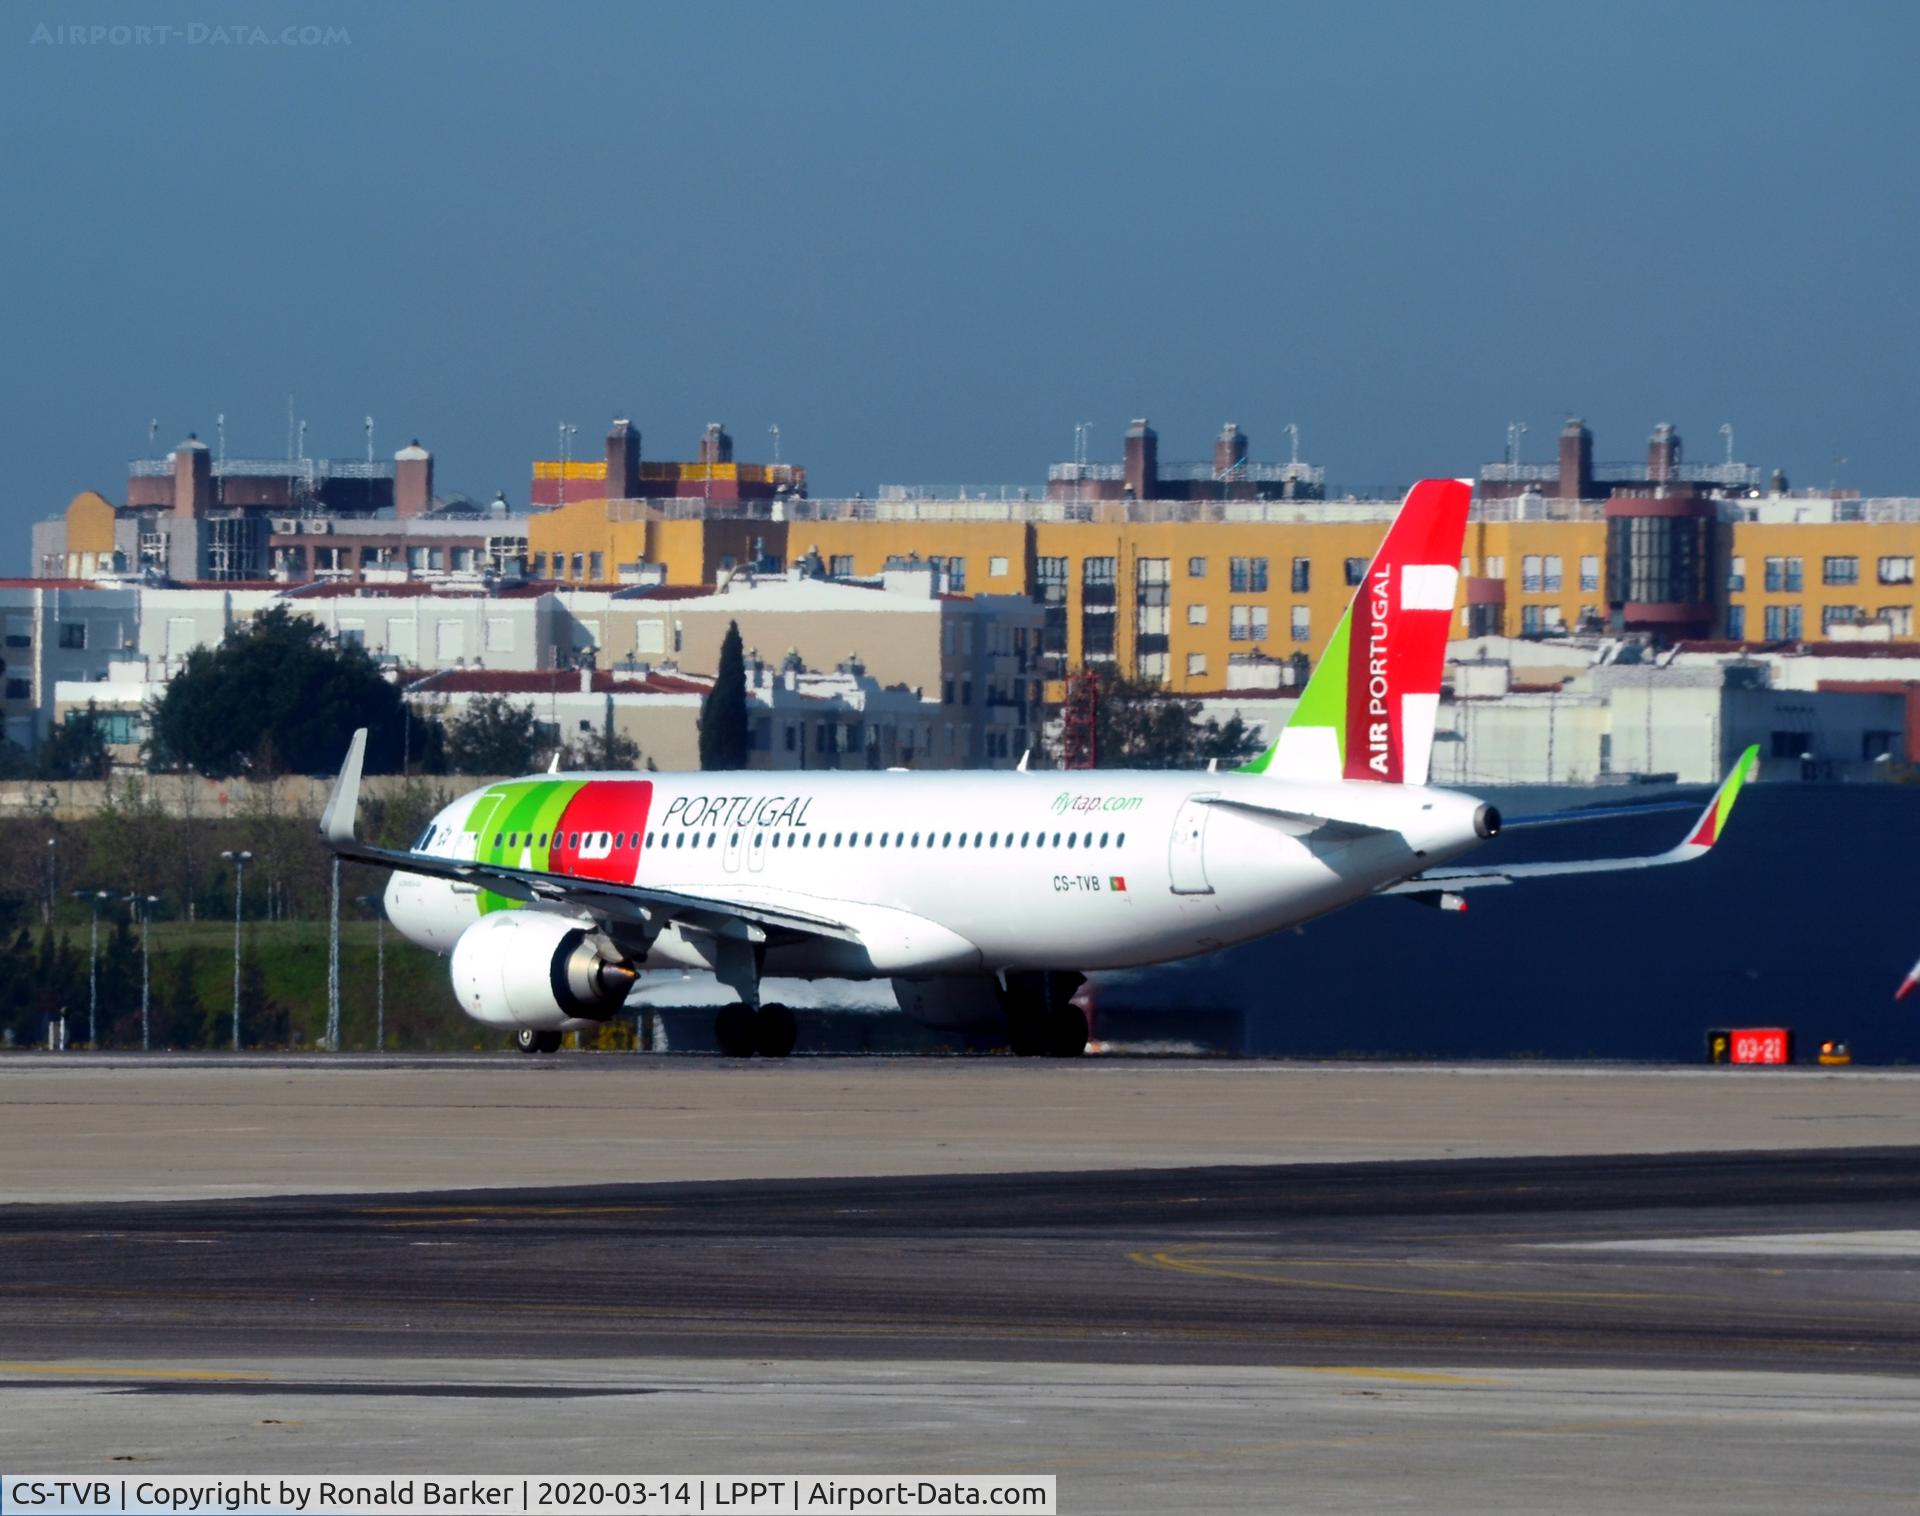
pixel 1435 885
pixel 602 898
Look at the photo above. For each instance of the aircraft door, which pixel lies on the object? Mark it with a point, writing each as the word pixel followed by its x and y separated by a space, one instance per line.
pixel 1186 851
pixel 757 851
pixel 731 858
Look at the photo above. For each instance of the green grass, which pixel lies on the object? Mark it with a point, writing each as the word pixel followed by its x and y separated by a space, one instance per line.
pixel 421 1012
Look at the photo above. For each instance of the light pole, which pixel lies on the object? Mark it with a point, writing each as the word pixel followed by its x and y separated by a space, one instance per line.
pixel 377 905
pixel 53 874
pixel 240 859
pixel 143 907
pixel 333 961
pixel 93 899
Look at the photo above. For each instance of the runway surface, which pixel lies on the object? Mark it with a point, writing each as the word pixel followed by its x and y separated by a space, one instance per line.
pixel 1144 1277
pixel 1478 1262
pixel 169 1127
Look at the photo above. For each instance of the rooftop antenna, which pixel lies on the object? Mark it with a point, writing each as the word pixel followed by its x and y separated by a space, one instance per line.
pixel 301 455
pixel 775 429
pixel 369 463
pixel 1726 430
pixel 220 431
pixel 1515 431
pixel 1292 429
pixel 289 425
pixel 153 433
pixel 566 455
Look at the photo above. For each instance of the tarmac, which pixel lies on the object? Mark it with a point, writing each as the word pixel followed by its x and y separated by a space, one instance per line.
pixel 1177 1286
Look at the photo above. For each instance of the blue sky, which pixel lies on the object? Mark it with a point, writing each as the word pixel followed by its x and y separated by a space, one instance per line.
pixel 927 240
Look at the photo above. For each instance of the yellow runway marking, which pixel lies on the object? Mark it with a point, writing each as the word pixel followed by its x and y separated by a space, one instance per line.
pixel 1402 1376
pixel 116 1371
pixel 1207 1269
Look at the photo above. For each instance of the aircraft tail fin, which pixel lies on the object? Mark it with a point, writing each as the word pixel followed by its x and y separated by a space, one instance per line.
pixel 1368 712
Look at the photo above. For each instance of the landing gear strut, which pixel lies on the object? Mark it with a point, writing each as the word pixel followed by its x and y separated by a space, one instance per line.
pixel 742 1031
pixel 536 1042
pixel 1041 1016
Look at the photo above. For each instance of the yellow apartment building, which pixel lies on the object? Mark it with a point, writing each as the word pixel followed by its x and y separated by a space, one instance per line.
pixel 1177 599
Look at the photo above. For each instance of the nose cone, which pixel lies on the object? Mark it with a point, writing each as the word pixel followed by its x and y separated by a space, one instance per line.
pixel 405 905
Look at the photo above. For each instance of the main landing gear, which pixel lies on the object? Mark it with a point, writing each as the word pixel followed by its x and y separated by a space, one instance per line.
pixel 536 1042
pixel 1042 1019
pixel 742 1031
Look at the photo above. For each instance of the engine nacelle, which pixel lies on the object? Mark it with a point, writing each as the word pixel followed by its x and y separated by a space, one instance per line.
pixel 537 971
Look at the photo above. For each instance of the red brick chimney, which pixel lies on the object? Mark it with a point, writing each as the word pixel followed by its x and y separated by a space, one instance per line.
pixel 412 480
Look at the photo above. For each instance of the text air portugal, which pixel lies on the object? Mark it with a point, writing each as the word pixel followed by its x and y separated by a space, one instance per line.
pixel 1400 634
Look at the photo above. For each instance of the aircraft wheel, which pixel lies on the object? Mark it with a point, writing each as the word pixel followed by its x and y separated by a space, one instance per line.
pixel 526 1040
pixel 734 1029
pixel 775 1031
pixel 1026 1032
pixel 1066 1032
pixel 548 1042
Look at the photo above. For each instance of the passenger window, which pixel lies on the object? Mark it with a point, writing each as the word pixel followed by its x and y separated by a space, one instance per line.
pixel 1069 839
pixel 573 839
pixel 1103 838
pixel 1023 838
pixel 1056 839
pixel 1089 839
pixel 759 839
pixel 713 839
pixel 946 839
pixel 976 839
pixel 734 840
pixel 681 840
pixel 1121 840
pixel 899 839
pixel 836 839
pixel 883 839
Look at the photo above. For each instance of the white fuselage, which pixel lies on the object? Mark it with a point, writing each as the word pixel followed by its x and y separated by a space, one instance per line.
pixel 954 873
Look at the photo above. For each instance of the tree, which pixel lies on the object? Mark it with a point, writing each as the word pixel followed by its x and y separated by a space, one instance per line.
pixel 604 750
pixel 75 748
pixel 493 736
pixel 1143 727
pixel 723 714
pixel 278 694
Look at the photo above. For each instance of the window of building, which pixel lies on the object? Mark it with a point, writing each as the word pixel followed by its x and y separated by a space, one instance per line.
pixel 1737 573
pixel 1550 576
pixel 1247 576
pixel 1239 622
pixel 1783 623
pixel 596 566
pixel 1784 575
pixel 1532 574
pixel 1589 571
pixel 1196 568
pixel 1840 615
pixel 1496 566
pixel 996 568
pixel 353 633
pixel 1302 575
pixel 1050 590
pixel 1153 594
pixel 19 689
pixel 1840 570
pixel 1097 607
pixel 956 575
pixel 840 566
pixel 1301 624
pixel 1531 623
pixel 73 634
pixel 499 634
pixel 1357 569
pixel 1196 665
pixel 1892 571
pixel 1899 618
pixel 539 565
pixel 1790 745
pixel 19 631
pixel 1737 623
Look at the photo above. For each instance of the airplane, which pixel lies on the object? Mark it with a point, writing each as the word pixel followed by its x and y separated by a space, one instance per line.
pixel 1907 984
pixel 985 897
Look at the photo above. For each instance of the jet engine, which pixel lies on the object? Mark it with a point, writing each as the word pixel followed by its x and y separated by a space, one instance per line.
pixel 536 971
